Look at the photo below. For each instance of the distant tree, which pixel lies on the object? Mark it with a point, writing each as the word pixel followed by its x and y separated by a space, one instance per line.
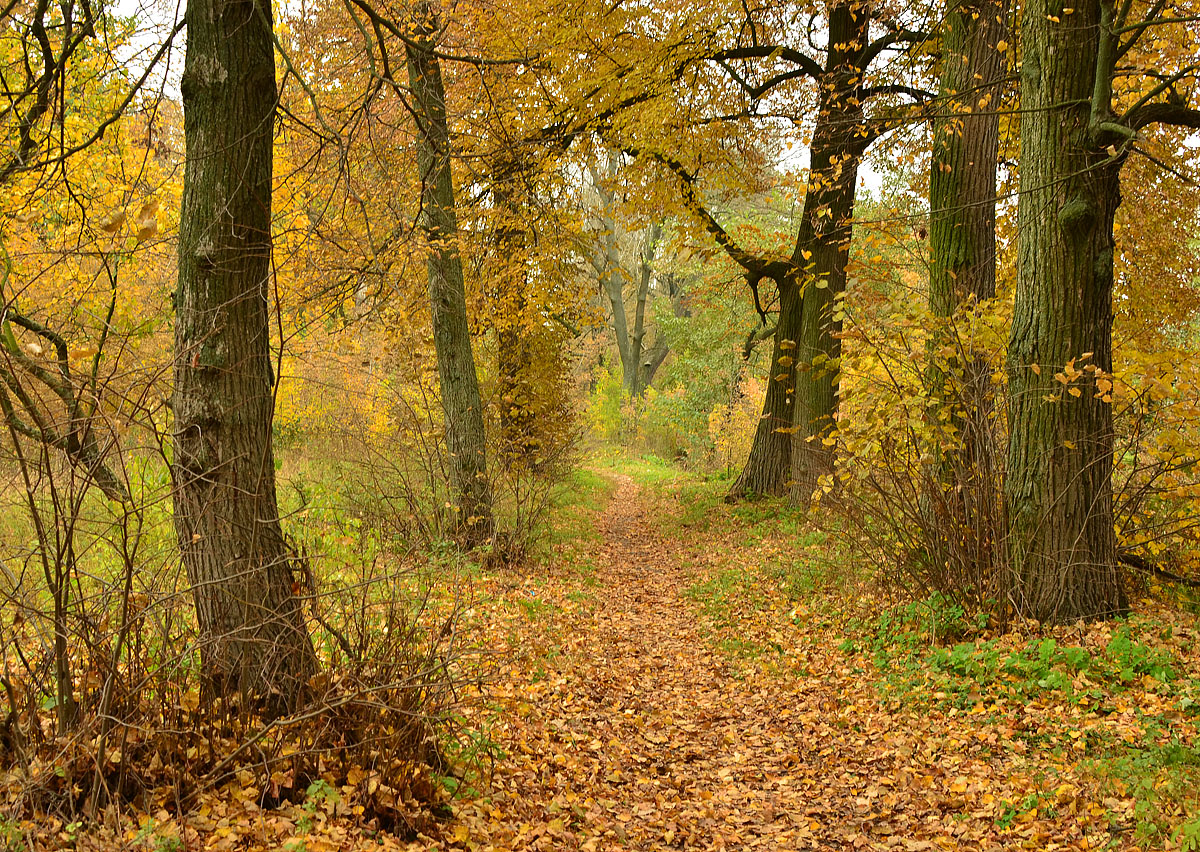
pixel 640 360
pixel 459 381
pixel 248 603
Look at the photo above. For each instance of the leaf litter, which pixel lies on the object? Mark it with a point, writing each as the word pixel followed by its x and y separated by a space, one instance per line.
pixel 625 712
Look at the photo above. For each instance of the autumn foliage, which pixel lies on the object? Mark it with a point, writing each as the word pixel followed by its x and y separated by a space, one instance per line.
pixel 547 425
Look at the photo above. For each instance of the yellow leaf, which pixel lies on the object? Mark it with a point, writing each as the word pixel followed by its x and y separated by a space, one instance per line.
pixel 190 700
pixel 147 229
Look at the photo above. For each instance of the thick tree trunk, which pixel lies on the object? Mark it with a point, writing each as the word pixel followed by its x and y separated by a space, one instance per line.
pixel 768 468
pixel 1058 492
pixel 966 141
pixel 459 382
pixel 962 237
pixel 825 241
pixel 226 517
pixel 823 249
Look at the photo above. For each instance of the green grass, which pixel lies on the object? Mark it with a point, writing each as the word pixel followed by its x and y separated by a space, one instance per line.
pixel 1149 763
pixel 646 470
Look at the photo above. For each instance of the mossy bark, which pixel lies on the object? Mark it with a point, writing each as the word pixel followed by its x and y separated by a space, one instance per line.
pixel 1058 492
pixel 962 496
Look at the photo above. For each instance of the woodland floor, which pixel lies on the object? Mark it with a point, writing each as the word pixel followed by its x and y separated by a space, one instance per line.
pixel 657 688
pixel 669 708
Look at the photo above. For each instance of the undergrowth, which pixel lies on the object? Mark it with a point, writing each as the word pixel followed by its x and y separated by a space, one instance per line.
pixel 1122 700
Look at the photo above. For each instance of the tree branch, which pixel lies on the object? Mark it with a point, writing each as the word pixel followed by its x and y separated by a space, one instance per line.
pixel 776 269
pixel 805 63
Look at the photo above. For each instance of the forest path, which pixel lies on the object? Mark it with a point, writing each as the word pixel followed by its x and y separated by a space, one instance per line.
pixel 664 687
pixel 640 734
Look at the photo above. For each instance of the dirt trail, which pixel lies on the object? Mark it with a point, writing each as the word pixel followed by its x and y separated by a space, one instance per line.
pixel 626 728
pixel 645 737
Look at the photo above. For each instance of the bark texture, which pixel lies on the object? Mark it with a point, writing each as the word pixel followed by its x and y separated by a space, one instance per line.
pixel 1058 493
pixel 226 516
pixel 768 468
pixel 963 492
pixel 966 140
pixel 458 380
pixel 823 248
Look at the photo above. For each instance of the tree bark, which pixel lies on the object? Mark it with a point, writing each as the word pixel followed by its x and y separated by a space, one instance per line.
pixel 458 380
pixel 514 358
pixel 963 490
pixel 823 249
pixel 768 468
pixel 1058 492
pixel 966 141
pixel 825 235
pixel 226 516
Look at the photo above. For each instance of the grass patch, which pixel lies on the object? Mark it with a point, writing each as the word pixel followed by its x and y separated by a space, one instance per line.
pixel 648 471
pixel 1120 698
pixel 723 597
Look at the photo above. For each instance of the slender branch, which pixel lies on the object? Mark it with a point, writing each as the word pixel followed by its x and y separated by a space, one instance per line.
pixel 776 269
pixel 919 95
pixel 901 35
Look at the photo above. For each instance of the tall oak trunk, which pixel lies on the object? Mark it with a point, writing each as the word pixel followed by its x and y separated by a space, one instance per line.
pixel 963 487
pixel 1058 492
pixel 226 516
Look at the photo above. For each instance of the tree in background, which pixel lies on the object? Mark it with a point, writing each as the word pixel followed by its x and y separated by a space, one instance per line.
pixel 962 276
pixel 639 361
pixel 248 602
pixel 459 383
pixel 795 437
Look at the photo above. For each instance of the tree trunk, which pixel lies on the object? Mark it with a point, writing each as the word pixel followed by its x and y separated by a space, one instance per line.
pixel 459 383
pixel 226 516
pixel 768 468
pixel 514 359
pixel 823 249
pixel 636 382
pixel 1058 493
pixel 962 236
pixel 825 237
pixel 966 141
